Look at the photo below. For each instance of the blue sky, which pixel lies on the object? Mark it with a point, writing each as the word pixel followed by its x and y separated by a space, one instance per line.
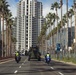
pixel 46 5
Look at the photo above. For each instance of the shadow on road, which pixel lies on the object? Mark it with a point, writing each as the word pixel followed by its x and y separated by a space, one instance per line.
pixel 65 68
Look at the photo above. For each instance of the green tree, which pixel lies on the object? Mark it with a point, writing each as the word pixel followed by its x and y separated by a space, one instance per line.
pixel 70 14
pixel 56 7
pixel 3 6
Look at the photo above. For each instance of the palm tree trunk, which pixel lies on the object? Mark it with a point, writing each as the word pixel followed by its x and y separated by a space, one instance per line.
pixel 61 1
pixel 10 42
pixel 0 26
pixel 67 24
pixel 54 37
pixel 2 36
pixel 71 29
pixel 57 27
pixel 7 40
pixel 75 22
pixel 51 37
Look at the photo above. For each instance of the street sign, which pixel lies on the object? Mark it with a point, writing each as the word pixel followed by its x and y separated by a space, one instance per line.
pixel 58 46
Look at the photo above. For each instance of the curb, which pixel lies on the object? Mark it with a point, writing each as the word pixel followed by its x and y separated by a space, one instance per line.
pixel 2 60
pixel 70 63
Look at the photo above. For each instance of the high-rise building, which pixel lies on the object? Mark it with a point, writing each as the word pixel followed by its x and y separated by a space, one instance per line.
pixel 36 14
pixel 18 43
pixel 29 21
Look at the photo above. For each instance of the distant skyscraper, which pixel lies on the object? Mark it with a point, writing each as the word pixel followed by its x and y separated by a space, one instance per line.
pixel 29 21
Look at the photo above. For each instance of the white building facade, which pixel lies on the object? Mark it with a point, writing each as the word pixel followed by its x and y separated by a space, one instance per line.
pixel 29 21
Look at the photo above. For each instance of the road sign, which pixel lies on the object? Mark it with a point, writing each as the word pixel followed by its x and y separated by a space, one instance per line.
pixel 58 46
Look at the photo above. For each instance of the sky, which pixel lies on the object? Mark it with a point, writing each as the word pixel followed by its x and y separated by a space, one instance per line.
pixel 46 6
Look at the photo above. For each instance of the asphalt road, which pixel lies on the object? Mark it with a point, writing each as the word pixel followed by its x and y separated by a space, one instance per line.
pixel 34 67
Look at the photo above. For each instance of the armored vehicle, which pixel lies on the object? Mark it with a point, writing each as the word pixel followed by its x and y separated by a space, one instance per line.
pixel 34 53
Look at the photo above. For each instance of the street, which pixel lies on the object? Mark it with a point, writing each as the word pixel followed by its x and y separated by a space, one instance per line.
pixel 34 67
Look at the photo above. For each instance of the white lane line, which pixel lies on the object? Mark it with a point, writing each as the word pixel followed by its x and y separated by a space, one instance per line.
pixel 61 73
pixel 51 67
pixel 25 60
pixel 19 66
pixel 22 63
pixel 16 71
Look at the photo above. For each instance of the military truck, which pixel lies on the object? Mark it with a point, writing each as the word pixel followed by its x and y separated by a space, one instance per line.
pixel 34 53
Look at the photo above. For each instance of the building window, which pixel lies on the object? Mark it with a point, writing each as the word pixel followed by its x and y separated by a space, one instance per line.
pixel 26 41
pixel 26 20
pixel 26 45
pixel 27 31
pixel 26 34
pixel 27 10
pixel 26 27
pixel 26 38
pixel 27 13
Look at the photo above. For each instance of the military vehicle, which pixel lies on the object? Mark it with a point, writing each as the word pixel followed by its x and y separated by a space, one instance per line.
pixel 34 53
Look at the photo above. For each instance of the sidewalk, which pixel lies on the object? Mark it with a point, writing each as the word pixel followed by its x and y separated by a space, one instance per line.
pixel 6 59
pixel 70 63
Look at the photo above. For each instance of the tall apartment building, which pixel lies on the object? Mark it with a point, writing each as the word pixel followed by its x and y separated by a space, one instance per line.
pixel 18 43
pixel 29 21
pixel 36 13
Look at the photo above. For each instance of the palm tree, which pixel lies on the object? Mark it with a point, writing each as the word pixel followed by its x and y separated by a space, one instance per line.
pixel 10 36
pixel 3 6
pixel 13 42
pixel 70 14
pixel 49 18
pixel 67 21
pixel 7 18
pixel 75 21
pixel 42 35
pixel 61 3
pixel 53 19
pixel 56 7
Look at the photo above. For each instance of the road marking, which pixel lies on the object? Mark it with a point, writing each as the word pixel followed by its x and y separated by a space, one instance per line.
pixel 22 63
pixel 61 73
pixel 19 66
pixel 16 71
pixel 51 67
pixel 25 60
